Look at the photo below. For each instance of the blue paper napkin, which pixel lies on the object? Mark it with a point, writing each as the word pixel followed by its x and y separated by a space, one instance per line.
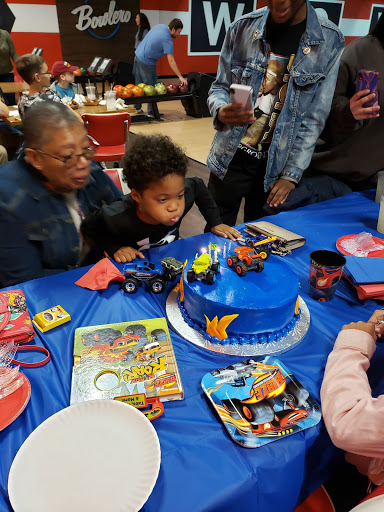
pixel 364 270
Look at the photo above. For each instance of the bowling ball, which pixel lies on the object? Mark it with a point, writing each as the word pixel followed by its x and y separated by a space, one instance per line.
pixel 137 91
pixel 183 88
pixel 77 72
pixel 160 88
pixel 149 90
pixel 172 89
pixel 83 71
pixel 118 89
pixel 142 85
pixel 130 86
pixel 126 93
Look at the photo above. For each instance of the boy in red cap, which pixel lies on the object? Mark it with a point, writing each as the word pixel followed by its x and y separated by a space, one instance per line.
pixel 64 84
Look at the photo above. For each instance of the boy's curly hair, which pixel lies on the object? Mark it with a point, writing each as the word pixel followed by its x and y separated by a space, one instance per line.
pixel 151 158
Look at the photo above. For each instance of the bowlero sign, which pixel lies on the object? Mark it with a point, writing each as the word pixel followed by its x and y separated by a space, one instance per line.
pixel 105 28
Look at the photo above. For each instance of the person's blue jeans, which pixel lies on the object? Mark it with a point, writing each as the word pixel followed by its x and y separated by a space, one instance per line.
pixel 144 74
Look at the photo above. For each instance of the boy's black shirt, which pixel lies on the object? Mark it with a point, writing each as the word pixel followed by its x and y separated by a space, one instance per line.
pixel 117 225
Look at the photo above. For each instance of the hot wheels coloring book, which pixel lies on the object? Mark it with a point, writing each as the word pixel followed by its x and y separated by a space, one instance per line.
pixel 127 358
pixel 259 401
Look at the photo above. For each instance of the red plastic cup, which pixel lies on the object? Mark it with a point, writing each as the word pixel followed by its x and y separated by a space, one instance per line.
pixel 324 274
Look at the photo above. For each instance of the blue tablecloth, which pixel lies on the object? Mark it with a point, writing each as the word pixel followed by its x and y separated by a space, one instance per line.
pixel 201 468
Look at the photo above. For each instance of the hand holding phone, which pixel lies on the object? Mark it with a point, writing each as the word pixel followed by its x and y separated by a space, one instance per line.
pixel 241 94
pixel 369 80
pixel 362 108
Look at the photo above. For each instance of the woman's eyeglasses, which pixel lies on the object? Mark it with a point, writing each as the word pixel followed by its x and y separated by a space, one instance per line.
pixel 70 160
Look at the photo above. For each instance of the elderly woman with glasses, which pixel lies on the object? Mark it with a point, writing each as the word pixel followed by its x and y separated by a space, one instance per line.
pixel 46 193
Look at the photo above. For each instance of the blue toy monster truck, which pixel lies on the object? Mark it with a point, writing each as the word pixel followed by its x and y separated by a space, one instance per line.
pixel 153 276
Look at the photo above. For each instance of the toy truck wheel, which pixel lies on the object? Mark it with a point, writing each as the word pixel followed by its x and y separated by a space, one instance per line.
pixel 156 285
pixel 259 267
pixel 259 413
pixel 249 243
pixel 215 267
pixel 191 276
pixel 210 277
pixel 130 285
pixel 265 253
pixel 232 260
pixel 169 275
pixel 241 269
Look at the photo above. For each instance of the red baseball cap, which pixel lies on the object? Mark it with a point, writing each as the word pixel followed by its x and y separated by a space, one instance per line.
pixel 62 66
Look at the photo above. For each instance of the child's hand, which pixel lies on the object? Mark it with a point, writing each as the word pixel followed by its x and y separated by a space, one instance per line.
pixel 127 254
pixel 226 231
pixel 368 327
pixel 378 319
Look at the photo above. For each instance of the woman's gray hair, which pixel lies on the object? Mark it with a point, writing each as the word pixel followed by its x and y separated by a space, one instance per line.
pixel 43 119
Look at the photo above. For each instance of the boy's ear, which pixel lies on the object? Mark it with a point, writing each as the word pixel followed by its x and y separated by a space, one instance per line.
pixel 136 196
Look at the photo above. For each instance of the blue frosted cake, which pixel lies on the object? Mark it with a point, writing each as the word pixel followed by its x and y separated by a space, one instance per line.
pixel 257 308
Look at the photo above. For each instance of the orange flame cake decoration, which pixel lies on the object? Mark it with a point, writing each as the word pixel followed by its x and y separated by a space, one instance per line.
pixel 181 282
pixel 217 327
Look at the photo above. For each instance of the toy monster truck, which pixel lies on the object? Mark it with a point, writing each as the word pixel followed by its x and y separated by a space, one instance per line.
pixel 245 259
pixel 261 244
pixel 203 269
pixel 154 277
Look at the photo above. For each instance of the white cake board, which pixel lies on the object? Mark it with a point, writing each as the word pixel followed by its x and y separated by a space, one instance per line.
pixel 287 342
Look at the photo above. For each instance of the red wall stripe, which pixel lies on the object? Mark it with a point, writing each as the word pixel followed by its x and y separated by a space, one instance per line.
pixel 359 9
pixel 169 5
pixel 25 42
pixel 32 2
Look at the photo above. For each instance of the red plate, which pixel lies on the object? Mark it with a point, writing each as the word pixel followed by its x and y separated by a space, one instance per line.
pixel 14 404
pixel 372 254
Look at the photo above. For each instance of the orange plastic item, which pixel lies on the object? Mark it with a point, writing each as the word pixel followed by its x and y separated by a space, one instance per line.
pixel 140 401
pixel 318 501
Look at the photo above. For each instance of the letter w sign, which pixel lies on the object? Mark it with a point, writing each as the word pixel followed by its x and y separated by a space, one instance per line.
pixel 210 20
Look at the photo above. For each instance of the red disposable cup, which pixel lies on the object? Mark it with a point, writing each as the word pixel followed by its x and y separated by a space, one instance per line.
pixel 324 274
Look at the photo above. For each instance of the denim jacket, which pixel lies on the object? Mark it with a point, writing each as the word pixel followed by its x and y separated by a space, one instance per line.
pixel 37 233
pixel 243 60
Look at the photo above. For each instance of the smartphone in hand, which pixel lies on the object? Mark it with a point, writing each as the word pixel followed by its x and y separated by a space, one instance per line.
pixel 369 80
pixel 241 94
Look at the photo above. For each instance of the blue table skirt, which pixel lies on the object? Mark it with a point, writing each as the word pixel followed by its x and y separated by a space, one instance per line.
pixel 201 468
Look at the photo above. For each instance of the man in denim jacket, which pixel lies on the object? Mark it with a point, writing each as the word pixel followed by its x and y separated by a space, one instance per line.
pixel 290 58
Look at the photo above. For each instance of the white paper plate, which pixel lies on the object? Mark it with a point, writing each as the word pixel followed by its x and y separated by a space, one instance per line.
pixel 375 504
pixel 100 455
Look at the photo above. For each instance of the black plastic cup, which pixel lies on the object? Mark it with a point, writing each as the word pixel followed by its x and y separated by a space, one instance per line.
pixel 324 274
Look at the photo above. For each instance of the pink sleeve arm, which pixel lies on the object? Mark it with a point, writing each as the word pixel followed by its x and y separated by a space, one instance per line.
pixel 354 420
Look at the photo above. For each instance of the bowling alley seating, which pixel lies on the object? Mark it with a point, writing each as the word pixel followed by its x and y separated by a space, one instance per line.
pixel 111 133
pixel 116 176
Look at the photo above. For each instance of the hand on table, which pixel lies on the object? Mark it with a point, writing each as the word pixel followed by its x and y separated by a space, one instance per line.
pixel 374 326
pixel 378 319
pixel 127 254
pixel 356 105
pixel 226 231
pixel 279 192
pixel 233 114
pixel 368 327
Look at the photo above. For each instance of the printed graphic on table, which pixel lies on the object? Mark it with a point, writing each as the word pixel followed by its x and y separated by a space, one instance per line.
pixel 123 359
pixel 260 401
